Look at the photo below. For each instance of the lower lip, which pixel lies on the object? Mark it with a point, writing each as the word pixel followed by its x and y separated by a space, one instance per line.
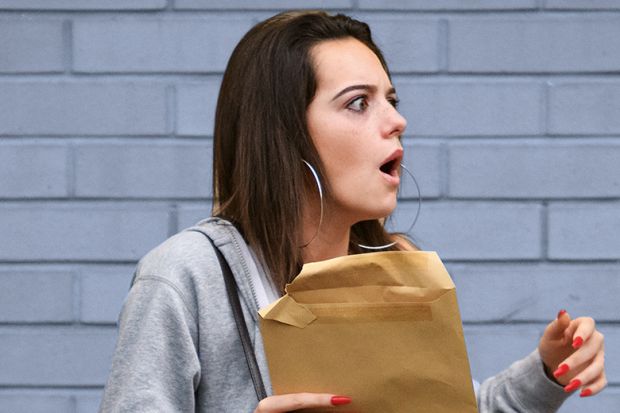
pixel 391 179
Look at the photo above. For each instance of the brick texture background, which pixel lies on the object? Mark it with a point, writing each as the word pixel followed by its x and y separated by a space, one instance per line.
pixel 106 117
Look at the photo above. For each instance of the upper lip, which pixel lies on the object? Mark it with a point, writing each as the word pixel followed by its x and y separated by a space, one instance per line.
pixel 396 155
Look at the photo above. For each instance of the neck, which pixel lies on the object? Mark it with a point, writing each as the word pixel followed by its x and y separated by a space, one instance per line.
pixel 332 239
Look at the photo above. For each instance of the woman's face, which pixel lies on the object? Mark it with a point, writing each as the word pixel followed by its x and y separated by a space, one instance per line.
pixel 356 129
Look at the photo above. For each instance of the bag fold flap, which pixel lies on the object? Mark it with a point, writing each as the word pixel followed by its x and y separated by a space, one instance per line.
pixel 288 311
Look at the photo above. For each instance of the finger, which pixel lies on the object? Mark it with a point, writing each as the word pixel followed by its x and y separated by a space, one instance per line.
pixel 594 388
pixel 296 401
pixel 584 327
pixel 555 329
pixel 586 353
pixel 589 375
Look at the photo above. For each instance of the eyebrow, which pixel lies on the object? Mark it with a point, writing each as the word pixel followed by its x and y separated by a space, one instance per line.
pixel 360 87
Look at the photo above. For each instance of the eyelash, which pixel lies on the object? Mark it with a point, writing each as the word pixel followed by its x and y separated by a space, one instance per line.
pixel 393 101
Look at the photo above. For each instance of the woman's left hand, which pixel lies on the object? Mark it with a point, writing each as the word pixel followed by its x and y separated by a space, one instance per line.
pixel 573 352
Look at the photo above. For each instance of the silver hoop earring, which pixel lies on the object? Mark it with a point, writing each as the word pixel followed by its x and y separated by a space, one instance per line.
pixel 415 219
pixel 320 188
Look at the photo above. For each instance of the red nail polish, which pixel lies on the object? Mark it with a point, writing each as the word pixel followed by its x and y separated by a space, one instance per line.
pixel 574 384
pixel 561 313
pixel 561 370
pixel 585 393
pixel 338 400
pixel 577 342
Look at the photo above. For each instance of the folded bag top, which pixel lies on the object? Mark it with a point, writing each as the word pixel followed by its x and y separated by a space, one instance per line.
pixel 396 268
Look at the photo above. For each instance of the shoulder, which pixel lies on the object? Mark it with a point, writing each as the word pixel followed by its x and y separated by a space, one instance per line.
pixel 180 253
pixel 187 254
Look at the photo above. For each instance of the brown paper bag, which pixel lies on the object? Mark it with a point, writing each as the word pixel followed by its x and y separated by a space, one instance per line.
pixel 383 328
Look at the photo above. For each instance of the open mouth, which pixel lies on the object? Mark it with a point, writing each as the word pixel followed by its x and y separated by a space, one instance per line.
pixel 391 165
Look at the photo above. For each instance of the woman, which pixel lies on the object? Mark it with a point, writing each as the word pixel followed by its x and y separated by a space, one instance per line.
pixel 303 93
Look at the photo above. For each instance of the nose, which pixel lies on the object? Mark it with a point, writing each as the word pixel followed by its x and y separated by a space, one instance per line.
pixel 393 123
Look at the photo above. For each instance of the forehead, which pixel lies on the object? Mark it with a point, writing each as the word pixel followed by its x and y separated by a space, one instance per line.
pixel 340 62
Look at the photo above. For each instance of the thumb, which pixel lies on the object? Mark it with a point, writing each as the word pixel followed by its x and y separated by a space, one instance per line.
pixel 556 329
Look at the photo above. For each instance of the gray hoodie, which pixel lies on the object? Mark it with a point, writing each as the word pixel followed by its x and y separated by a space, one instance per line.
pixel 178 348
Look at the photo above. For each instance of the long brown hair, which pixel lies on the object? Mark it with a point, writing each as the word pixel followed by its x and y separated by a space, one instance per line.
pixel 261 136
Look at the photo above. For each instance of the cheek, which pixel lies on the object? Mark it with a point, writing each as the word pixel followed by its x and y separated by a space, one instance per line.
pixel 339 143
pixel 339 146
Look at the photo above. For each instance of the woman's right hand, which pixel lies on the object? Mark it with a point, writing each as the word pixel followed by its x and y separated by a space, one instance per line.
pixel 296 401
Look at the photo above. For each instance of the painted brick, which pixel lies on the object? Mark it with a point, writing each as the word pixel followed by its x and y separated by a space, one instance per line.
pixel 195 110
pixel 584 231
pixel 34 401
pixel 534 169
pixel 103 293
pixel 36 296
pixel 80 231
pixel 582 4
pixel 584 108
pixel 156 45
pixel 470 107
pixel 82 4
pixel 55 356
pixel 447 4
pixel 189 214
pixel 424 161
pixel 476 230
pixel 84 108
pixel 148 169
pixel 534 45
pixel 264 4
pixel 88 402
pixel 517 341
pixel 417 51
pixel 33 170
pixel 31 46
pixel 536 292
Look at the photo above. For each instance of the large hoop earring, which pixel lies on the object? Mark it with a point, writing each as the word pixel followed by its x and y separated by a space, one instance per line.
pixel 368 247
pixel 415 219
pixel 320 188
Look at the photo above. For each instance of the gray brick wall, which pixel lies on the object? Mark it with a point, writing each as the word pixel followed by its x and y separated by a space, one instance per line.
pixel 106 116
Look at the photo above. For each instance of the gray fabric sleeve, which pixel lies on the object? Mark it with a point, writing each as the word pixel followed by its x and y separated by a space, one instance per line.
pixel 523 387
pixel 155 366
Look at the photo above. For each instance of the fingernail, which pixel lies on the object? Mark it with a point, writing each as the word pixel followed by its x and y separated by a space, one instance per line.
pixel 574 384
pixel 577 342
pixel 561 370
pixel 338 400
pixel 561 313
pixel 585 393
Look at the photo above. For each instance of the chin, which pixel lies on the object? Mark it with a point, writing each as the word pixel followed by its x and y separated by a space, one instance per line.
pixel 380 208
pixel 383 212
pixel 390 207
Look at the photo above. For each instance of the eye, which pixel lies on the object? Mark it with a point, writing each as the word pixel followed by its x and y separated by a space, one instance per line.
pixel 394 101
pixel 359 104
